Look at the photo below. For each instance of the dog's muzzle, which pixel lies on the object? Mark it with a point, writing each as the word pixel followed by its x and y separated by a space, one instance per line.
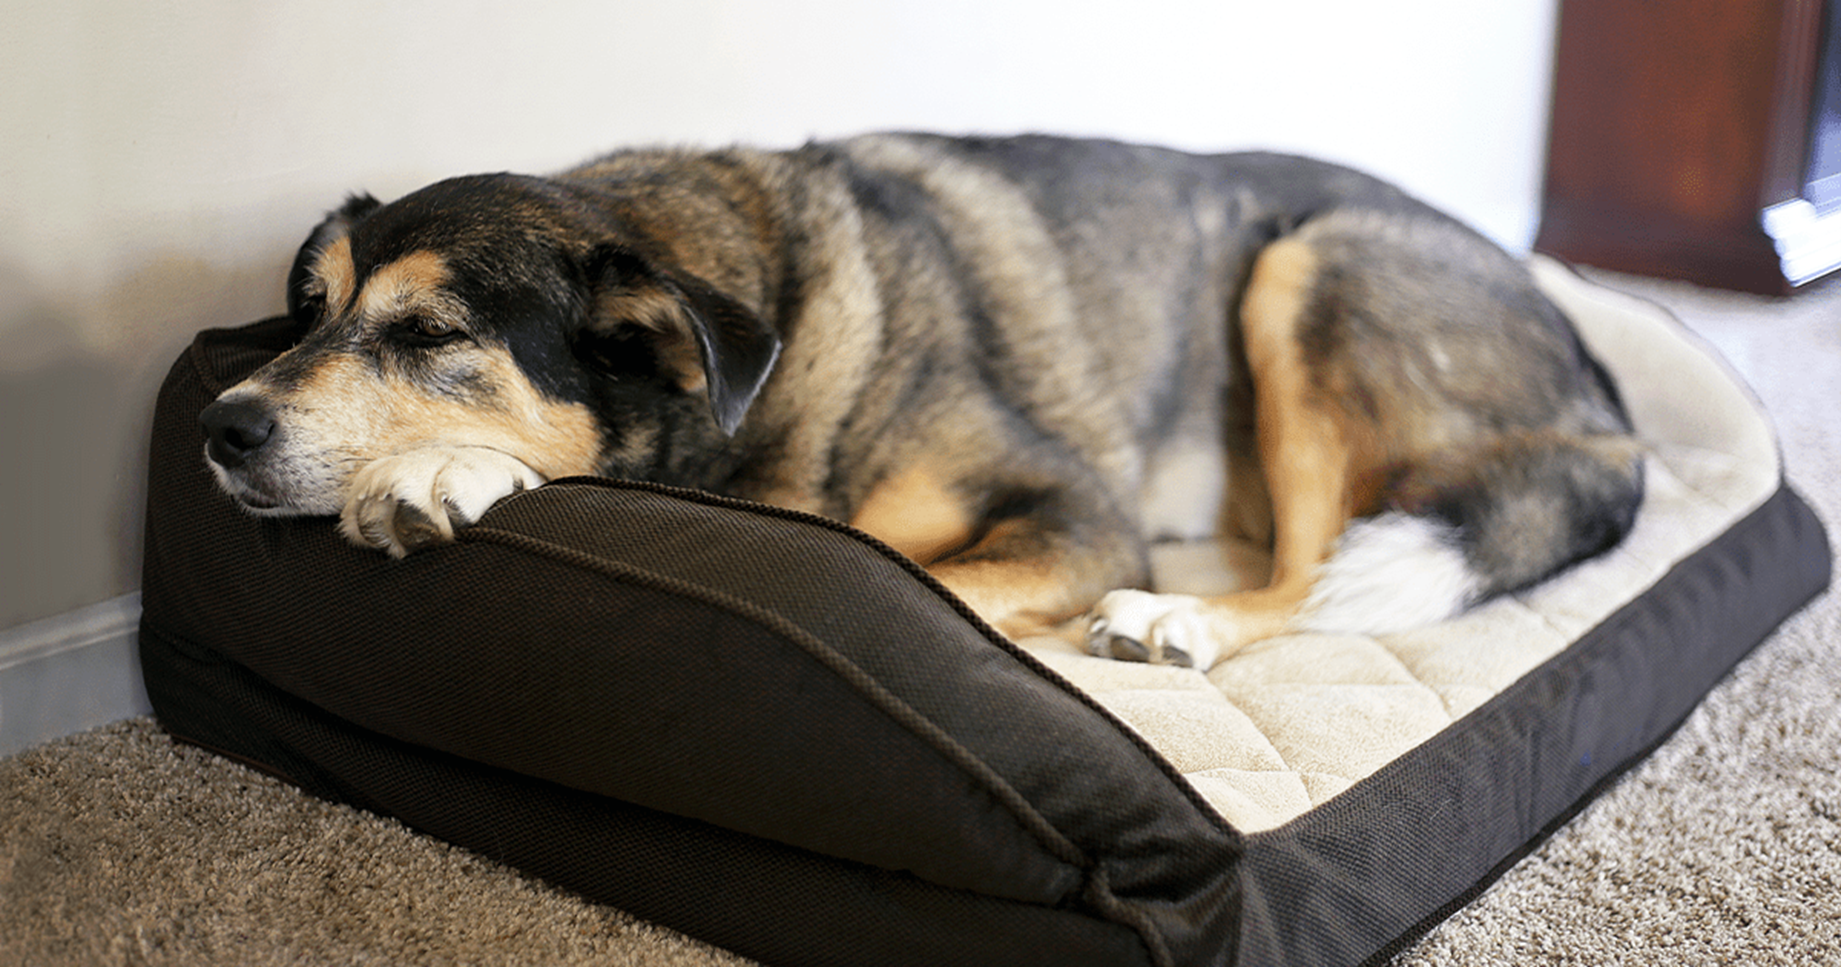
pixel 248 451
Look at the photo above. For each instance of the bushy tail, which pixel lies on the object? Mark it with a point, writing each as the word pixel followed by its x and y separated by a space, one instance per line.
pixel 1459 531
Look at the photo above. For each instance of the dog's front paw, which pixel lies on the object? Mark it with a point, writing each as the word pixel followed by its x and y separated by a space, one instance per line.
pixel 412 500
pixel 1163 629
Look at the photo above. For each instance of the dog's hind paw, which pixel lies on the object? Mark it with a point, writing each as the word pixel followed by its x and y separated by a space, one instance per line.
pixel 416 499
pixel 1163 629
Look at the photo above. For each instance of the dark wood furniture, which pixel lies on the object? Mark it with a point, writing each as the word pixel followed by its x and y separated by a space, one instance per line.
pixel 1697 139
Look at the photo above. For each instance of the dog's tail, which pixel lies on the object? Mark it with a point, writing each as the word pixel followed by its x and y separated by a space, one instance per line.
pixel 1458 531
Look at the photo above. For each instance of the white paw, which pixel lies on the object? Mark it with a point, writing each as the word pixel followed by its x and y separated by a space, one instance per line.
pixel 1163 629
pixel 411 500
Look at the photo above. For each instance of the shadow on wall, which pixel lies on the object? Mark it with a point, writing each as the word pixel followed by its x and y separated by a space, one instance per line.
pixel 76 405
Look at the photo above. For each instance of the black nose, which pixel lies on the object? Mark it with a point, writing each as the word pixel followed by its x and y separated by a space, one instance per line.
pixel 234 429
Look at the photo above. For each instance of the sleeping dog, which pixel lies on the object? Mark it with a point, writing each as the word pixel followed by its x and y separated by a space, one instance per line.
pixel 1017 361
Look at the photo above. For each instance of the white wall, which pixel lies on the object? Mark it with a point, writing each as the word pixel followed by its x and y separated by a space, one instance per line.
pixel 160 161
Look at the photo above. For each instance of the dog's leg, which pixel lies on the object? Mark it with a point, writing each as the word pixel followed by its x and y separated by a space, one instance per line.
pixel 1025 581
pixel 1024 572
pixel 1310 459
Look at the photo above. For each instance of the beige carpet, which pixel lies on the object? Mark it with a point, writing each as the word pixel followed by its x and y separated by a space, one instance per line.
pixel 119 847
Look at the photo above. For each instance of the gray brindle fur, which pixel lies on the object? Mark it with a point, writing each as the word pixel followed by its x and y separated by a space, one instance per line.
pixel 1017 360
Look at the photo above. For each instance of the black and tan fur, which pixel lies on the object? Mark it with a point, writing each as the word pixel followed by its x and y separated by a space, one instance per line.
pixel 1016 360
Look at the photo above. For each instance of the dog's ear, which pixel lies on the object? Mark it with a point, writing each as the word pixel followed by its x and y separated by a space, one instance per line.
pixel 646 320
pixel 337 224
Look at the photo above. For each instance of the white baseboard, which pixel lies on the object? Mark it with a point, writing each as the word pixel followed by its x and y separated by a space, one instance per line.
pixel 70 672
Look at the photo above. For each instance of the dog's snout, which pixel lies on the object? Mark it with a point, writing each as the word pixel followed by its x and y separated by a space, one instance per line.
pixel 236 428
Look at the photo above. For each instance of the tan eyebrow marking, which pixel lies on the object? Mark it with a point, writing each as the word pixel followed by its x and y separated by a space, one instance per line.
pixel 415 283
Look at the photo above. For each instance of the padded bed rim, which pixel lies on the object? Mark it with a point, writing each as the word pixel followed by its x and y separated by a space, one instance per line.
pixel 1352 881
pixel 775 903
pixel 210 699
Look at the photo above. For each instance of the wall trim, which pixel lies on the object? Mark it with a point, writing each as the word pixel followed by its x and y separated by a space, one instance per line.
pixel 70 672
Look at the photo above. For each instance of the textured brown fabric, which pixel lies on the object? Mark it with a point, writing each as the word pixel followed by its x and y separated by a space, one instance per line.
pixel 1106 854
pixel 638 692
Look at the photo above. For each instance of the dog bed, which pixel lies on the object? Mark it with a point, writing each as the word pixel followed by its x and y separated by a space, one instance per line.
pixel 768 731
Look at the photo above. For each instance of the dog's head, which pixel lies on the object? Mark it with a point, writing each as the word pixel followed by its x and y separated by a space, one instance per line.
pixel 495 311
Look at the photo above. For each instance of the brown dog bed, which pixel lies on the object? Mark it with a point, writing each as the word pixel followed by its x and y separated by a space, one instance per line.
pixel 766 730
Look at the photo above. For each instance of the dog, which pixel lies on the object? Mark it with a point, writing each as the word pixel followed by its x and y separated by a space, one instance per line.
pixel 1018 361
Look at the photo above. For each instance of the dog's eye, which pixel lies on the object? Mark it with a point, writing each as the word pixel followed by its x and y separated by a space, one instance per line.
pixel 429 331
